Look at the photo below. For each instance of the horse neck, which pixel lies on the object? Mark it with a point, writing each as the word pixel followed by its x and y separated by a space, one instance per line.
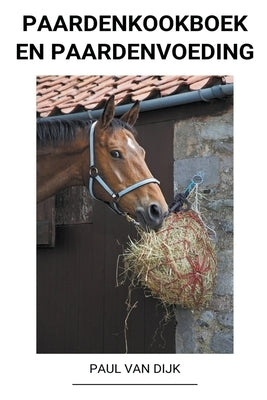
pixel 62 166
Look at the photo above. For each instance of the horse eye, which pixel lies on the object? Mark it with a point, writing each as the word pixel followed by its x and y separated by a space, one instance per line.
pixel 115 154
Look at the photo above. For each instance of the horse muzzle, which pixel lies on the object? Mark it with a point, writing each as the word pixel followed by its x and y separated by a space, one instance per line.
pixel 150 217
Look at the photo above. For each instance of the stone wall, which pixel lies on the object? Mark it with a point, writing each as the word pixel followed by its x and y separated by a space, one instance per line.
pixel 204 142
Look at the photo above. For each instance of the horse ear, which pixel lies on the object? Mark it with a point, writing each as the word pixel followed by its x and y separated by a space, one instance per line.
pixel 108 113
pixel 131 116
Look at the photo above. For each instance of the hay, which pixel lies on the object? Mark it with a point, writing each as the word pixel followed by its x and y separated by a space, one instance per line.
pixel 177 263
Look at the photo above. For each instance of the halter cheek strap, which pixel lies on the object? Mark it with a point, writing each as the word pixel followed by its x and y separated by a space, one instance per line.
pixel 94 176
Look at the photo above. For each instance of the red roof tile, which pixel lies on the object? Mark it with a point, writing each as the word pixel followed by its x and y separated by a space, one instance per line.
pixel 58 94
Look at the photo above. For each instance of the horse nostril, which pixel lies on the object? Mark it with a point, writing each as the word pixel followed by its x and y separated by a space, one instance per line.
pixel 154 211
pixel 150 217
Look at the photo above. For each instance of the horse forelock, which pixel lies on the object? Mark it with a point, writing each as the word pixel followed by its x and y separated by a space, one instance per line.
pixel 119 124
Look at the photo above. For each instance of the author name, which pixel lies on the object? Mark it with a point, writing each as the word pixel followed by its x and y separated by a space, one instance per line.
pixel 135 368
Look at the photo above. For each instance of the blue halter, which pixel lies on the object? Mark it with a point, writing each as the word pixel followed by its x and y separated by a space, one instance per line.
pixel 94 176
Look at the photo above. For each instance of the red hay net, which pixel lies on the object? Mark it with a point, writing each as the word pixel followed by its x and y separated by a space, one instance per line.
pixel 177 263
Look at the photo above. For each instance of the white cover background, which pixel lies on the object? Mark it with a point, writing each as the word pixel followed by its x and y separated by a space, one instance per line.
pixel 24 374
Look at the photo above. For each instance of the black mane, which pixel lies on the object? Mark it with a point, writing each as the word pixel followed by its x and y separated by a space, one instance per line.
pixel 58 130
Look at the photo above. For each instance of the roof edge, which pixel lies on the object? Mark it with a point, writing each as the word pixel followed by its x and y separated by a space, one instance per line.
pixel 206 95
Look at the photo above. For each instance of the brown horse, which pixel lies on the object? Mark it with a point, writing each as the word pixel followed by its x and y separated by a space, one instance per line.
pixel 110 161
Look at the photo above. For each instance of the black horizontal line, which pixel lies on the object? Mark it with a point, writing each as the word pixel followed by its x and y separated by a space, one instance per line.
pixel 135 384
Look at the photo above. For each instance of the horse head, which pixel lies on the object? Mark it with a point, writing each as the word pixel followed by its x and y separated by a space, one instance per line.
pixel 118 172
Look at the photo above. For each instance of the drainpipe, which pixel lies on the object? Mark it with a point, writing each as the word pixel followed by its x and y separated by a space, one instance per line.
pixel 215 92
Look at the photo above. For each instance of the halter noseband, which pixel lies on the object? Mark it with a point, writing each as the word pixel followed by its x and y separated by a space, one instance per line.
pixel 94 176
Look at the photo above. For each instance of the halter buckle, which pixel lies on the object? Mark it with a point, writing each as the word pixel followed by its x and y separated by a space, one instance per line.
pixel 115 197
pixel 93 171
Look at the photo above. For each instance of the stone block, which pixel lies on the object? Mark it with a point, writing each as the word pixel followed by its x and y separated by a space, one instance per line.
pixel 224 260
pixel 224 284
pixel 185 169
pixel 226 319
pixel 184 331
pixel 221 303
pixel 191 134
pixel 218 205
pixel 217 127
pixel 222 342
